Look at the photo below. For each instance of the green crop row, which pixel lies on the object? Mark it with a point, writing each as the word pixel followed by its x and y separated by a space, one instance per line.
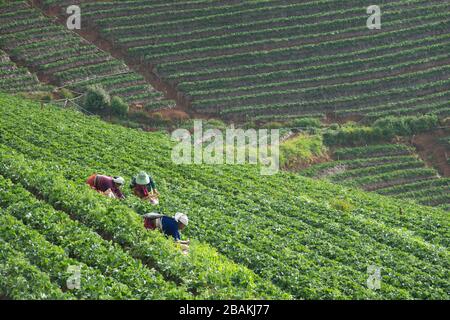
pixel 296 33
pixel 403 189
pixel 328 91
pixel 54 261
pixel 20 280
pixel 126 228
pixel 301 242
pixel 316 71
pixel 435 200
pixel 14 79
pixel 370 171
pixel 299 82
pixel 289 63
pixel 434 100
pixel 91 71
pixel 63 56
pixel 336 46
pixel 85 245
pixel 373 151
pixel 392 178
pixel 323 168
pixel 426 192
pixel 336 104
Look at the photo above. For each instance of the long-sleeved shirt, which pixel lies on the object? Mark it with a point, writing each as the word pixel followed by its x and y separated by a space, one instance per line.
pixel 170 227
pixel 166 224
pixel 103 183
pixel 140 190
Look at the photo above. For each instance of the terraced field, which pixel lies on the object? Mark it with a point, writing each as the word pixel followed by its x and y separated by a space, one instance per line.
pixel 270 241
pixel 247 59
pixel 62 58
pixel 14 78
pixel 391 169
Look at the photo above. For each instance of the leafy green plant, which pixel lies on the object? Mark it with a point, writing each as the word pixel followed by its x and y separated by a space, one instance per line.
pixel 250 236
pixel 97 99
pixel 301 150
pixel 119 107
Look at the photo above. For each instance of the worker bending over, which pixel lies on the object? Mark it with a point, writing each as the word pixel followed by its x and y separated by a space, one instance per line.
pixel 171 227
pixel 109 186
pixel 144 187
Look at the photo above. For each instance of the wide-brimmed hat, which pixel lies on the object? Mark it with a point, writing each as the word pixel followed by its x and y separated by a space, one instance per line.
pixel 142 178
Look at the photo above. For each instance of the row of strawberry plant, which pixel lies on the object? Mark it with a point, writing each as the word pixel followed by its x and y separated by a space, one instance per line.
pixel 439 108
pixel 416 186
pixel 20 280
pixel 370 171
pixel 125 227
pixel 83 244
pixel 306 32
pixel 322 169
pixel 334 104
pixel 289 63
pixel 55 262
pixel 308 70
pixel 297 82
pixel 62 55
pixel 406 80
pixel 43 130
pixel 187 202
pixel 14 79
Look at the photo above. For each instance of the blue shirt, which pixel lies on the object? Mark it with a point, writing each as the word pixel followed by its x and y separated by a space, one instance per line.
pixel 170 227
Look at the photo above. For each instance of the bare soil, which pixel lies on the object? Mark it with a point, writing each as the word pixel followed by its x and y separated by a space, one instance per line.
pixel 433 152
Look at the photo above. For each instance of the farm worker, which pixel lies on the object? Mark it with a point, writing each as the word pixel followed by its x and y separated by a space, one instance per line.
pixel 144 187
pixel 171 227
pixel 109 186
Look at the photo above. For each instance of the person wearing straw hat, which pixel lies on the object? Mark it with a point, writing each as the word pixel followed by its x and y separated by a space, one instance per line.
pixel 144 187
pixel 109 186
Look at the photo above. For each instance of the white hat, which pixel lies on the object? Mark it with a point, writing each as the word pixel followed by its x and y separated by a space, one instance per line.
pixel 119 180
pixel 142 178
pixel 182 218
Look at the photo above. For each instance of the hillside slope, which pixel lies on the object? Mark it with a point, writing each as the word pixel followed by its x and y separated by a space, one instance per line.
pixel 254 59
pixel 62 58
pixel 289 230
pixel 389 169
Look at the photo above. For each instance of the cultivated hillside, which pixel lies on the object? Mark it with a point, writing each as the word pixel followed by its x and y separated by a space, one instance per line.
pixel 389 169
pixel 62 58
pixel 253 236
pixel 263 59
